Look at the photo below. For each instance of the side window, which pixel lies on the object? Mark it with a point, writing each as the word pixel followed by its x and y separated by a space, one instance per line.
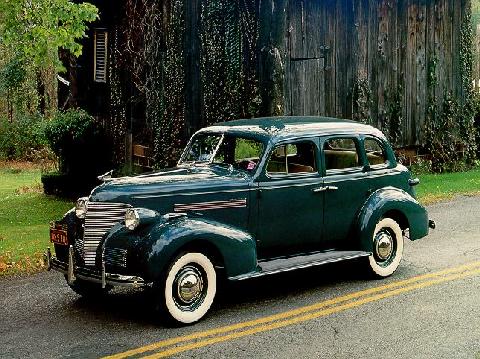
pixel 375 152
pixel 293 158
pixel 340 153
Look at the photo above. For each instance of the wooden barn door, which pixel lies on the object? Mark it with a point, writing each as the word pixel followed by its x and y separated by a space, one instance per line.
pixel 320 57
pixel 306 60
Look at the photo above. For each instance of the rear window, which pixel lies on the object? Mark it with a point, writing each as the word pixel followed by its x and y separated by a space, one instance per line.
pixel 376 154
pixel 341 153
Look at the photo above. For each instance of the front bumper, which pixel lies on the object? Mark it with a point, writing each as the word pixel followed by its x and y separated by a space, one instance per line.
pixel 73 272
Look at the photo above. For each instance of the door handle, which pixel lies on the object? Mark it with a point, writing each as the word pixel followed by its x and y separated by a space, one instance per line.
pixel 325 189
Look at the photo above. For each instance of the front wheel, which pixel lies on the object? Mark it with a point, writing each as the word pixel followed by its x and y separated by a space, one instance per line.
pixel 189 288
pixel 387 248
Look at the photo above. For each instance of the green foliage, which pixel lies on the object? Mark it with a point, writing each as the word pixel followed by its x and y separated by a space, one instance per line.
pixel 80 143
pixel 36 29
pixel 22 139
pixel 450 133
pixel 31 34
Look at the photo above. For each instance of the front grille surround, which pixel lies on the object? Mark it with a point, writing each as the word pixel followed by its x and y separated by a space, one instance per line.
pixel 99 219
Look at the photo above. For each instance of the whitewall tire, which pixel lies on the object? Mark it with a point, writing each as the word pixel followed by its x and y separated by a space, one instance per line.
pixel 189 288
pixel 387 248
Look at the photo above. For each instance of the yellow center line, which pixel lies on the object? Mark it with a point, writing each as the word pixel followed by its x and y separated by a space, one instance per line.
pixel 310 316
pixel 291 313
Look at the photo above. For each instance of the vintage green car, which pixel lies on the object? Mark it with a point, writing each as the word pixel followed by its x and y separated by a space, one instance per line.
pixel 248 198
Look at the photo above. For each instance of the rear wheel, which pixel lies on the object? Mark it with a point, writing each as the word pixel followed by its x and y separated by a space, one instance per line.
pixel 189 288
pixel 387 248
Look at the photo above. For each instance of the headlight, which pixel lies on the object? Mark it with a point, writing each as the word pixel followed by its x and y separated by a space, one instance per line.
pixel 81 207
pixel 132 219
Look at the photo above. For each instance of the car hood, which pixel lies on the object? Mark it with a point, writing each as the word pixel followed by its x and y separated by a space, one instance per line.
pixel 169 182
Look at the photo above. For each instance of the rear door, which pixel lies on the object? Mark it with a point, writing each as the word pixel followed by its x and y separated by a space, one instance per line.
pixel 346 187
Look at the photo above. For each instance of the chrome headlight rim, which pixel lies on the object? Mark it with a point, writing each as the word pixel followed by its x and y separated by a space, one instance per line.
pixel 132 219
pixel 81 207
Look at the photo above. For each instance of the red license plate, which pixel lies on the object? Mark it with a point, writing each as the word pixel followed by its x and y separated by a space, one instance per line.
pixel 58 236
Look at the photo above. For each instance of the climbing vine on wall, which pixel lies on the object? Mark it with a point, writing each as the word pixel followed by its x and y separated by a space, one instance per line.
pixel 169 127
pixel 117 123
pixel 362 100
pixel 449 128
pixel 228 62
pixel 393 116
pixel 466 116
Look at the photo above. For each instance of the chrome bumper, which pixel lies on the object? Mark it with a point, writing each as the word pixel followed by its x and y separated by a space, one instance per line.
pixel 73 272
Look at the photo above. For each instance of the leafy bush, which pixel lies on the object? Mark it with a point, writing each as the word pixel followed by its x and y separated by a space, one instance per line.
pixel 83 149
pixel 79 142
pixel 22 139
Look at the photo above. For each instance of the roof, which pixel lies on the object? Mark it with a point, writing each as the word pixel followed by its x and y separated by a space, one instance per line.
pixel 285 127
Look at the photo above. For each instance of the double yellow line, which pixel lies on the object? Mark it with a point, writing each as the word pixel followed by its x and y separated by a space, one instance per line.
pixel 196 340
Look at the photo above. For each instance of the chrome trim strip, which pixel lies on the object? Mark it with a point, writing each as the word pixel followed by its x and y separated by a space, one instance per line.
pixel 191 193
pixel 300 266
pixel 264 185
pixel 205 206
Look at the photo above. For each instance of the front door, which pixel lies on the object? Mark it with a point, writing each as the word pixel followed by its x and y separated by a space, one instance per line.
pixel 290 208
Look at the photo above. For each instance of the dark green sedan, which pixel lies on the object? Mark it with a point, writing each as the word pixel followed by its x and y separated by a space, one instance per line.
pixel 248 198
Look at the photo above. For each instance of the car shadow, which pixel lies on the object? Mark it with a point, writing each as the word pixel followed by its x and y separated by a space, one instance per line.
pixel 137 306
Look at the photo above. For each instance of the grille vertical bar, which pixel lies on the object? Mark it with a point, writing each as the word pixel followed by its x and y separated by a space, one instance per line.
pixel 99 219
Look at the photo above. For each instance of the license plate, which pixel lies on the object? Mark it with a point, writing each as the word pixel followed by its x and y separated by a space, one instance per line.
pixel 58 236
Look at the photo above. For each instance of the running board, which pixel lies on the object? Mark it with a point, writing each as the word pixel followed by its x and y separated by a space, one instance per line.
pixel 288 264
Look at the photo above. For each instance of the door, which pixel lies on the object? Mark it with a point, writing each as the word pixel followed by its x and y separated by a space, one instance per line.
pixel 290 209
pixel 308 67
pixel 346 179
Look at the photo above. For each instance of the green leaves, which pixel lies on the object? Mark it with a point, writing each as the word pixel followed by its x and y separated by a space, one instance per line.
pixel 35 30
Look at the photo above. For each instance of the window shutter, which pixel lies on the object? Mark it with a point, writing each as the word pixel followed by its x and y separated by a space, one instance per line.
pixel 100 56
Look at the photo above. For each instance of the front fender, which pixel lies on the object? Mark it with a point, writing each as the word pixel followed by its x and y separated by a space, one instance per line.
pixel 393 200
pixel 161 242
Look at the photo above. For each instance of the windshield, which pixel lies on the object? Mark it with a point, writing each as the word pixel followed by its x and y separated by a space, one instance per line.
pixel 223 149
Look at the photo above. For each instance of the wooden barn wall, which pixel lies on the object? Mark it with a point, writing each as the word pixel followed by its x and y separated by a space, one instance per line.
pixel 390 45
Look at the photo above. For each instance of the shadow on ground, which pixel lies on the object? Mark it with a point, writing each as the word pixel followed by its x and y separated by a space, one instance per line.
pixel 138 306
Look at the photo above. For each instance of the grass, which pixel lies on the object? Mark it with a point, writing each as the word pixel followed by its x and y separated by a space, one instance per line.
pixel 439 187
pixel 25 213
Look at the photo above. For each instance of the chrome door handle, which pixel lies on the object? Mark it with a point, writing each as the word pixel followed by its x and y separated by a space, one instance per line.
pixel 325 189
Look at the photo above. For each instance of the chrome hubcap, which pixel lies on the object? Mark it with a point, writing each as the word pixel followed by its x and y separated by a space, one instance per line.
pixel 383 245
pixel 189 285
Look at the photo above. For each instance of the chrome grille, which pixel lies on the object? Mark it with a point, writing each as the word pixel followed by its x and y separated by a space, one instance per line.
pixel 116 257
pixel 100 218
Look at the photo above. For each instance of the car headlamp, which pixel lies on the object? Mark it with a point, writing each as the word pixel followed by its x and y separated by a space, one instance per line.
pixel 81 207
pixel 132 219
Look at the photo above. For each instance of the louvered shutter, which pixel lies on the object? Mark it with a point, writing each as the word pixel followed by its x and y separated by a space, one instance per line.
pixel 100 53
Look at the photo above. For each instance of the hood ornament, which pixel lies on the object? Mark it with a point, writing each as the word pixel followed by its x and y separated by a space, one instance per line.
pixel 106 176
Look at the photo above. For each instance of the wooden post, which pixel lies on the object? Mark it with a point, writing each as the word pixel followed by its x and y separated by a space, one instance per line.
pixel 194 119
pixel 273 20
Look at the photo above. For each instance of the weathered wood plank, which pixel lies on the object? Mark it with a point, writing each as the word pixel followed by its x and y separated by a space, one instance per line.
pixel 421 70
pixel 330 88
pixel 373 54
pixel 382 61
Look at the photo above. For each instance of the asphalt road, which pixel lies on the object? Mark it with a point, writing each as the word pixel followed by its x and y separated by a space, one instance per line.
pixel 430 308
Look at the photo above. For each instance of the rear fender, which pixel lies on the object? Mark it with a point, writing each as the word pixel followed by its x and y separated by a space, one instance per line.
pixel 395 202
